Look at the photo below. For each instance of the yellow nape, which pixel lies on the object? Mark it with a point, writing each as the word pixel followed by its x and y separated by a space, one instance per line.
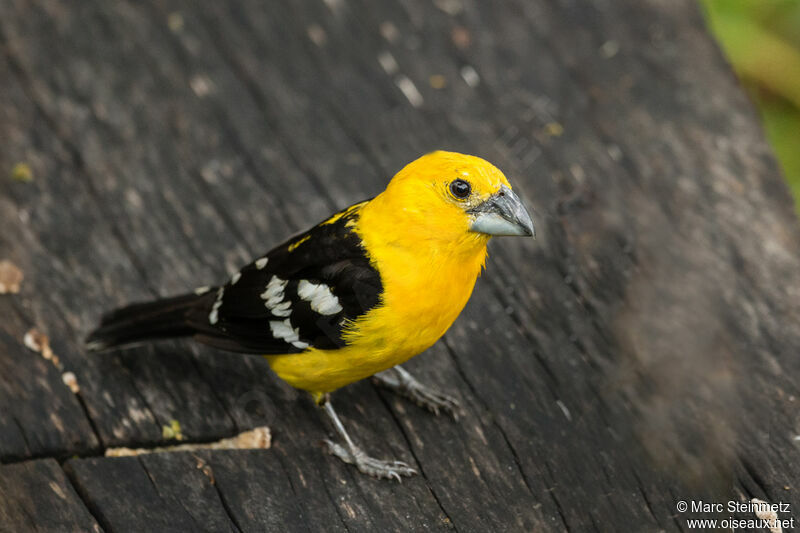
pixel 417 235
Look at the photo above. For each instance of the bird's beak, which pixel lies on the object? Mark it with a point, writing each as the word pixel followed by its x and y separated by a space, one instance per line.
pixel 502 214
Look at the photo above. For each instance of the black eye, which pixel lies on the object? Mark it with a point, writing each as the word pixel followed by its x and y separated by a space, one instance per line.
pixel 460 188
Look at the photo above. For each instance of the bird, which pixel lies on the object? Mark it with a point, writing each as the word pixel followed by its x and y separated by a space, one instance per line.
pixel 355 296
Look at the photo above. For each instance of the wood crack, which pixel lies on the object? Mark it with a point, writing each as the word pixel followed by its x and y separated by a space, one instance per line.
pixel 645 498
pixel 485 407
pixel 153 484
pixel 86 500
pixel 401 428
pixel 227 507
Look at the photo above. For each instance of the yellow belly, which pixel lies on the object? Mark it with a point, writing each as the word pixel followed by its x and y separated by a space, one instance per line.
pixel 379 344
pixel 321 371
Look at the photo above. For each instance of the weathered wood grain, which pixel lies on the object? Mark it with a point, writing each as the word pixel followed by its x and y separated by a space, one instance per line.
pixel 642 350
pixel 36 496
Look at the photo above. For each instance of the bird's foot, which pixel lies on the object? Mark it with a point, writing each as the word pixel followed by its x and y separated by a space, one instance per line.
pixel 400 381
pixel 434 401
pixel 369 465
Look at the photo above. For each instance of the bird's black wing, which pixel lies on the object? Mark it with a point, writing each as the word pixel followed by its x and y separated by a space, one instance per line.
pixel 301 294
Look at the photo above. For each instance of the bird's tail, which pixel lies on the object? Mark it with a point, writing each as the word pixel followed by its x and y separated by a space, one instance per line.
pixel 160 319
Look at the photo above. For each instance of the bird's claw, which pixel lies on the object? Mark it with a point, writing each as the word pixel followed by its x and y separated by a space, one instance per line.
pixel 434 401
pixel 369 465
pixel 406 385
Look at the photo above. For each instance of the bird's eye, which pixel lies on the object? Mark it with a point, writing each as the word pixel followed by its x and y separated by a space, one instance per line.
pixel 460 188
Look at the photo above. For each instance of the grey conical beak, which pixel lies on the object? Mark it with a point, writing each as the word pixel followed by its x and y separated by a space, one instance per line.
pixel 502 214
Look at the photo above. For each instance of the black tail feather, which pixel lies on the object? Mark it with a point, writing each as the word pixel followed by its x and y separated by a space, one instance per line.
pixel 161 319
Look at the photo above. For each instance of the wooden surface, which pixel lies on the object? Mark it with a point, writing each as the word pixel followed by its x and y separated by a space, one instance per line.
pixel 643 350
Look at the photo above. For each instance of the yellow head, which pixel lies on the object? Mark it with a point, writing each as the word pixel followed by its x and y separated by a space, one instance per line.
pixel 447 197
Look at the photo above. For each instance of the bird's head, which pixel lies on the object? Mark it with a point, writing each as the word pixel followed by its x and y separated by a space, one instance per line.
pixel 456 197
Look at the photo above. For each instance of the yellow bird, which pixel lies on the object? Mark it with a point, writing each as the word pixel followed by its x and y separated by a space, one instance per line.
pixel 356 295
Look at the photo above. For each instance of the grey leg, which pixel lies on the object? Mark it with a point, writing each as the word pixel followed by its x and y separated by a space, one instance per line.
pixel 352 454
pixel 400 381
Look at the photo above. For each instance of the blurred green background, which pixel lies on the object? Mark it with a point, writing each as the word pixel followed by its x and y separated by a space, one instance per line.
pixel 762 40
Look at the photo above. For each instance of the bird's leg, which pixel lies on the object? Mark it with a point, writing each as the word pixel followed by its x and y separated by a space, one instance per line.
pixel 403 383
pixel 352 454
